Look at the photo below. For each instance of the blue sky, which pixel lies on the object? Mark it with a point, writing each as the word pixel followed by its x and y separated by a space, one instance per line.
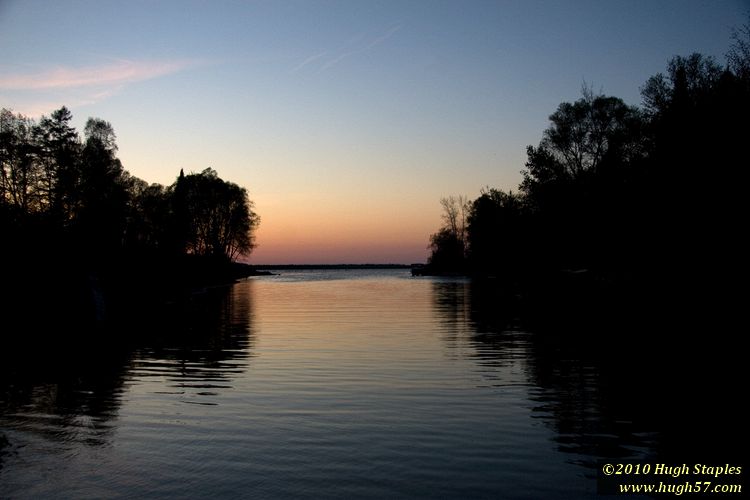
pixel 346 121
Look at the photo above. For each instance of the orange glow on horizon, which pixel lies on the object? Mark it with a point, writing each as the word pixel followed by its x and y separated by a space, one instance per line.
pixel 338 232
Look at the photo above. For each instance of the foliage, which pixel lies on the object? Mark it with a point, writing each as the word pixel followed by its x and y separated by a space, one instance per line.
pixel 583 137
pixel 738 57
pixel 220 216
pixel 449 244
pixel 58 189
pixel 496 230
pixel 621 190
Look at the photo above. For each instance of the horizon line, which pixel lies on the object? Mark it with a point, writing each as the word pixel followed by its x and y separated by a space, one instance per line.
pixel 341 265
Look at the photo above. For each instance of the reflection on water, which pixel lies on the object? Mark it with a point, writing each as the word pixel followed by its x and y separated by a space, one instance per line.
pixel 200 351
pixel 338 384
pixel 60 399
pixel 566 386
pixel 649 387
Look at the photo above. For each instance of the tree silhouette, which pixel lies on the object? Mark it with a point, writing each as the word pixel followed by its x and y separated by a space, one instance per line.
pixel 149 222
pixel 652 194
pixel 584 137
pixel 497 234
pixel 21 181
pixel 579 180
pixel 448 245
pixel 59 156
pixel 738 57
pixel 103 195
pixel 108 231
pixel 220 214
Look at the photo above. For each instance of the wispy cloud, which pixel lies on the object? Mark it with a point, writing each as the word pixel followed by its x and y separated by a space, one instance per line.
pixel 382 38
pixel 43 89
pixel 114 73
pixel 333 62
pixel 309 60
pixel 358 44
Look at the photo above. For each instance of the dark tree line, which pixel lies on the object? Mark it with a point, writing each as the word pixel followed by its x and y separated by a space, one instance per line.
pixel 72 218
pixel 200 214
pixel 621 192
pixel 61 189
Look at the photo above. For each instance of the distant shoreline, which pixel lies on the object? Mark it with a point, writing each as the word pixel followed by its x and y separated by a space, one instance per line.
pixel 290 267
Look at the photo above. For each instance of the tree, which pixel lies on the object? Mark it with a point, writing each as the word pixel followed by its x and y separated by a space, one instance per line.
pixel 446 252
pixel 20 179
pixel 448 245
pixel 220 215
pixel 497 233
pixel 698 122
pixel 688 82
pixel 584 137
pixel 101 133
pixel 59 151
pixel 102 191
pixel 455 210
pixel 578 180
pixel 738 57
pixel 149 221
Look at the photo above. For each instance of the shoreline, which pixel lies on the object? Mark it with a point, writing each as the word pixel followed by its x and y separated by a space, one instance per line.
pixel 289 267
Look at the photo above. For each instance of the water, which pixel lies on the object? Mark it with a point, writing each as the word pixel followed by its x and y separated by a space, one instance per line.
pixel 318 384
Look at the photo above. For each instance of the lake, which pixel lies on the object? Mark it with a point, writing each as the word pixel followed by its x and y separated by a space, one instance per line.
pixel 325 384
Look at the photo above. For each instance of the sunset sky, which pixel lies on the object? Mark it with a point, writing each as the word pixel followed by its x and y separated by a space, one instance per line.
pixel 346 121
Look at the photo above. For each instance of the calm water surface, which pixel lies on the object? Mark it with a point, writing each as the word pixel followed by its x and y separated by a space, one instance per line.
pixel 316 384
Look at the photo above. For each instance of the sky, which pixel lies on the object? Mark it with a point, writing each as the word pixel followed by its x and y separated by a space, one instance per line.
pixel 346 121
